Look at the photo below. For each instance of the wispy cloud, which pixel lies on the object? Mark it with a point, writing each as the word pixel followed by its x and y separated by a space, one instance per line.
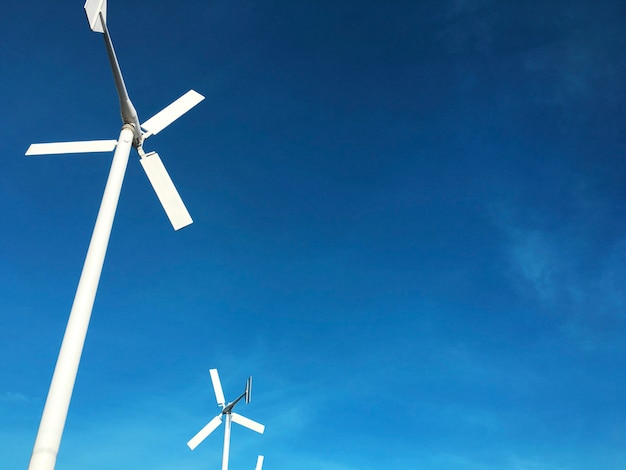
pixel 526 463
pixel 535 260
pixel 571 267
pixel 13 397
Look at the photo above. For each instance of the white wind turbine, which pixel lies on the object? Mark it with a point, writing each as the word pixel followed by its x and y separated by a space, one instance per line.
pixel 229 415
pixel 132 134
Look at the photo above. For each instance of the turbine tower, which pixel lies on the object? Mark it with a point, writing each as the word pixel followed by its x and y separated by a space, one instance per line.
pixel 132 134
pixel 229 416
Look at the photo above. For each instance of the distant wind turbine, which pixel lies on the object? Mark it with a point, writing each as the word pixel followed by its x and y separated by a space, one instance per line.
pixel 132 134
pixel 229 415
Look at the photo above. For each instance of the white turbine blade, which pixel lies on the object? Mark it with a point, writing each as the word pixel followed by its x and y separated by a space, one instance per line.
pixel 204 432
pixel 217 387
pixel 93 9
pixel 248 423
pixel 168 115
pixel 87 146
pixel 259 463
pixel 166 191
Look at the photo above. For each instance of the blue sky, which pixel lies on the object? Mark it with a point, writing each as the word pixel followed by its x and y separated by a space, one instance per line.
pixel 409 227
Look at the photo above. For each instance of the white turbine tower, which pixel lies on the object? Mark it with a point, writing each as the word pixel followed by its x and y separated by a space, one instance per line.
pixel 229 415
pixel 55 410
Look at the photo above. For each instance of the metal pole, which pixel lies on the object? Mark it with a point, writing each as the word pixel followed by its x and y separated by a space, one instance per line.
pixel 226 442
pixel 60 393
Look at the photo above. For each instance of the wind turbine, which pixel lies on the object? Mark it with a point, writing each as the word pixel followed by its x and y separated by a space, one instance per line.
pixel 132 134
pixel 229 415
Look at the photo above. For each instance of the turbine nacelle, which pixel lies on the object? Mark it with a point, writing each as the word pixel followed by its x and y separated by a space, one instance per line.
pixel 246 395
pixel 151 162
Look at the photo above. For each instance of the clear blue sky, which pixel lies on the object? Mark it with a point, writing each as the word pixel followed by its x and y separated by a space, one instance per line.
pixel 410 228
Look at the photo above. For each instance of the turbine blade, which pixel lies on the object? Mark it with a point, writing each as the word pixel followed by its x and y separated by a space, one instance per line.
pixel 259 463
pixel 248 423
pixel 168 115
pixel 93 9
pixel 86 146
pixel 217 387
pixel 166 191
pixel 204 432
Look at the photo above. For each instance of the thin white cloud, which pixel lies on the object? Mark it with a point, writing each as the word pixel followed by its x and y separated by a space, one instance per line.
pixel 552 265
pixel 529 463
pixel 613 277
pixel 534 259
pixel 13 397
pixel 564 265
